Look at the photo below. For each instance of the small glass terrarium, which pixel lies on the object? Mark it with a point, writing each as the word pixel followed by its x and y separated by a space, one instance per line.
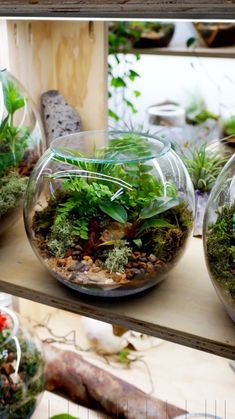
pixel 219 236
pixel 108 213
pixel 21 144
pixel 21 368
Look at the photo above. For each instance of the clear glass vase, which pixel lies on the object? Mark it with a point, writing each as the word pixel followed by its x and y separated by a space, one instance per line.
pixel 22 142
pixel 219 236
pixel 21 368
pixel 108 213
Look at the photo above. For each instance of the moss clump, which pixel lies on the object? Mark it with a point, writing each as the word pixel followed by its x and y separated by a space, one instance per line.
pixel 61 238
pixel 221 248
pixel 118 257
pixel 12 189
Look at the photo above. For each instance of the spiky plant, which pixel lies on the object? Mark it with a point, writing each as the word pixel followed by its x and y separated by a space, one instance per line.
pixel 204 166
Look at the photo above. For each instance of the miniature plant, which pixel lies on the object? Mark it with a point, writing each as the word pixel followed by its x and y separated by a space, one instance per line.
pixel 197 112
pixel 204 167
pixel 118 257
pixel 229 126
pixel 12 188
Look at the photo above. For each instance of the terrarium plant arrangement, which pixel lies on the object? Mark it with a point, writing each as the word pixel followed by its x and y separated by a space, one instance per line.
pixel 21 369
pixel 219 237
pixel 21 144
pixel 109 213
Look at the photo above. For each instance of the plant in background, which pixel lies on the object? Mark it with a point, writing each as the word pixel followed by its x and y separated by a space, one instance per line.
pixel 197 112
pixel 229 126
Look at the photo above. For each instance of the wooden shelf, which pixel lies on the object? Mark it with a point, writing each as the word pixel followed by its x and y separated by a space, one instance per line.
pixel 181 51
pixel 149 9
pixel 183 309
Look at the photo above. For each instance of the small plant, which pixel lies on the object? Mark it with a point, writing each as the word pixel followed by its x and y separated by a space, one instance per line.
pixel 204 167
pixel 118 257
pixel 197 112
pixel 229 126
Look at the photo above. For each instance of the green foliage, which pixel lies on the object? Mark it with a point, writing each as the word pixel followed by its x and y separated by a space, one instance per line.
pixel 114 210
pixel 229 126
pixel 158 206
pixel 63 416
pixel 204 167
pixel 118 257
pixel 123 356
pixel 12 188
pixel 221 248
pixel 13 139
pixel 61 238
pixel 155 223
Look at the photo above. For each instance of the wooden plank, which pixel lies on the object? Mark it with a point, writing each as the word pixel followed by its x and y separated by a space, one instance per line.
pixel 174 9
pixel 184 309
pixel 181 51
pixel 69 56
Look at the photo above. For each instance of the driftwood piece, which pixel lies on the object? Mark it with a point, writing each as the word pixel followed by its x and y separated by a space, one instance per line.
pixel 201 199
pixel 68 374
pixel 58 116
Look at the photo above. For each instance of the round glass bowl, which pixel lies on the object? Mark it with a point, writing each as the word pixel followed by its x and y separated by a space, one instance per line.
pixel 108 213
pixel 219 236
pixel 21 144
pixel 21 368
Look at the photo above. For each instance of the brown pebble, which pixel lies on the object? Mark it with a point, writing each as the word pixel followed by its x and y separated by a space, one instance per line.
pixel 61 262
pixel 81 267
pixel 142 265
pixel 78 247
pixel 96 269
pixel 152 258
pixel 143 259
pixel 129 276
pixel 72 268
pixel 150 267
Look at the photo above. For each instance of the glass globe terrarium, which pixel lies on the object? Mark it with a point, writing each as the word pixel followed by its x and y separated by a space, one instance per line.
pixel 21 368
pixel 219 236
pixel 109 213
pixel 21 144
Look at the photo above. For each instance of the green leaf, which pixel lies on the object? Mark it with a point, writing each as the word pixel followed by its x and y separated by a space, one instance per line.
pixel 138 243
pixel 132 75
pixel 12 98
pixel 190 41
pixel 114 210
pixel 158 206
pixel 155 223
pixel 137 93
pixel 63 416
pixel 113 115
pixel 131 105
pixel 118 82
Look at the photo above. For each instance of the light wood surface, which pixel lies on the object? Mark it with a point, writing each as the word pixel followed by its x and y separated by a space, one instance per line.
pixel 70 56
pixel 219 9
pixel 182 51
pixel 183 309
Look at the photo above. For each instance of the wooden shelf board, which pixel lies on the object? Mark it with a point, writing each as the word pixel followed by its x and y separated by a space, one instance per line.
pixel 183 309
pixel 181 51
pixel 174 9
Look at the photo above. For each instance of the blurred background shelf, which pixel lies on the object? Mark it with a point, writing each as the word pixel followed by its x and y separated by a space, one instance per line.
pixel 183 309
pixel 182 51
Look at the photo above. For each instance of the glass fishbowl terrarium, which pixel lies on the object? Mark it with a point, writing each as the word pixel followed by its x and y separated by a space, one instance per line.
pixel 219 236
pixel 21 144
pixel 21 368
pixel 108 213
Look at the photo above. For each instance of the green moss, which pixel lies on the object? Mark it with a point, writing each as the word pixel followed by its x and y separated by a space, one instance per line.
pixel 60 238
pixel 12 188
pixel 221 248
pixel 118 257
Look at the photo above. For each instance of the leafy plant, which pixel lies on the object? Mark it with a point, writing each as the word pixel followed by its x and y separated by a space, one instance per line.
pixel 13 139
pixel 197 112
pixel 204 167
pixel 229 125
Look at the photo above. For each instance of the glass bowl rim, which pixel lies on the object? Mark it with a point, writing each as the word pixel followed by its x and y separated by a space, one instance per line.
pixel 119 160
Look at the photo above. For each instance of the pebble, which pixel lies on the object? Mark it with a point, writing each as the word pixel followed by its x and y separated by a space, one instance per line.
pixel 76 253
pixel 96 269
pixel 72 268
pixel 81 267
pixel 150 267
pixel 61 262
pixel 152 258
pixel 144 259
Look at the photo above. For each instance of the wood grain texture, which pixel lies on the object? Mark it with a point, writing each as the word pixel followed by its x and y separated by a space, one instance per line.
pixel 221 9
pixel 70 56
pixel 181 51
pixel 183 309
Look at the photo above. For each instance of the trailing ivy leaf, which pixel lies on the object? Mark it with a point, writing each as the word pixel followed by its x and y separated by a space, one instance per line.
pixel 137 93
pixel 12 98
pixel 131 105
pixel 190 41
pixel 132 75
pixel 114 210
pixel 155 223
pixel 113 115
pixel 63 416
pixel 118 82
pixel 158 206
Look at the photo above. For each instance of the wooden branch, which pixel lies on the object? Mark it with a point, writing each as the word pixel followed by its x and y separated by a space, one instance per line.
pixel 174 9
pixel 68 374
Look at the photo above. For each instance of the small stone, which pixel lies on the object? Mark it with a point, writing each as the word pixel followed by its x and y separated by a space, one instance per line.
pixel 87 258
pixel 150 267
pixel 78 247
pixel 136 271
pixel 72 277
pixel 143 259
pixel 152 258
pixel 96 269
pixel 81 267
pixel 72 268
pixel 61 262
pixel 142 265
pixel 129 275
pixel 76 253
